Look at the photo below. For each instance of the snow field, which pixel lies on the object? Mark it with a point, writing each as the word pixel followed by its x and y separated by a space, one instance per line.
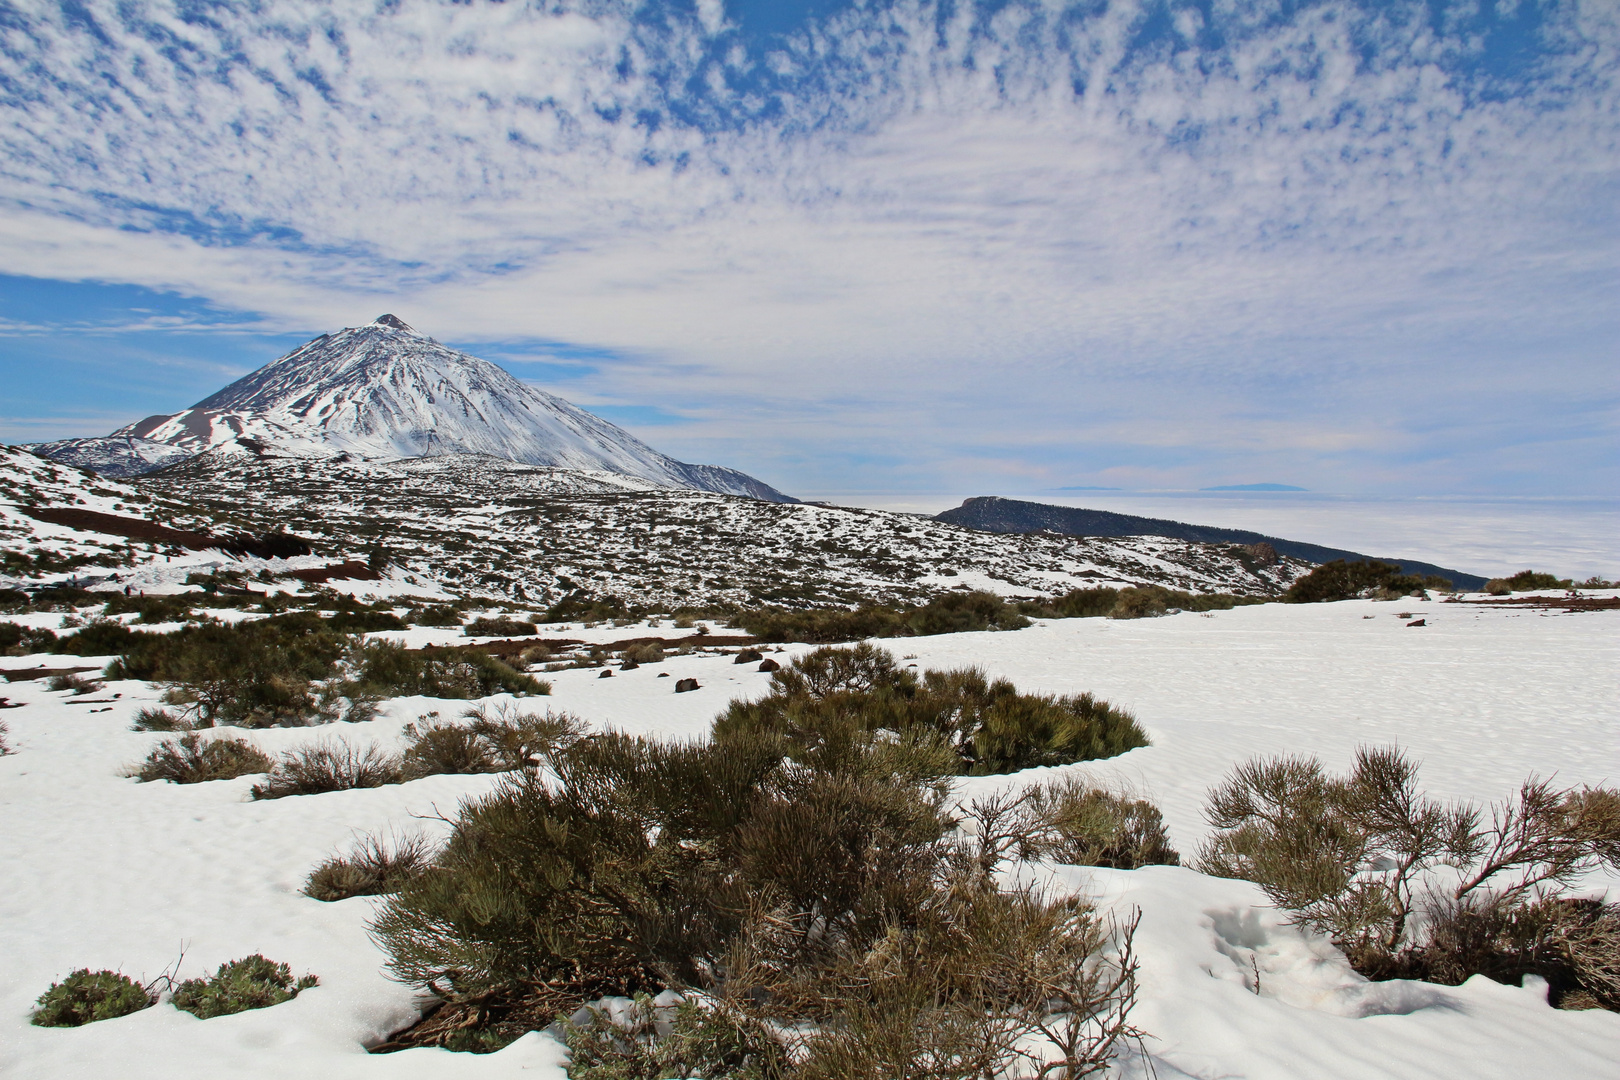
pixel 106 872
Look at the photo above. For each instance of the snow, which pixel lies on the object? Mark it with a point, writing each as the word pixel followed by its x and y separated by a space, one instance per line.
pixel 106 872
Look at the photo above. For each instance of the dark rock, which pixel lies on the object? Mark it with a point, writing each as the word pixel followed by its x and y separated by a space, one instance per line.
pixel 1417 622
pixel 769 665
pixel 607 673
pixel 663 674
pixel 629 665
pixel 684 685
pixel 748 656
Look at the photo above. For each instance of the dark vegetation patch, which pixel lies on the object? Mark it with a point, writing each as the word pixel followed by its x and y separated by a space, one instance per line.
pixel 86 996
pixel 825 907
pixel 1132 602
pixel 334 765
pixel 249 983
pixel 389 670
pixel 1567 603
pixel 192 760
pixel 433 615
pixel 498 739
pixel 1355 857
pixel 1340 580
pixel 952 613
pixel 499 627
pixel 832 702
pixel 1527 581
pixel 347 571
pixel 18 640
pixel 372 867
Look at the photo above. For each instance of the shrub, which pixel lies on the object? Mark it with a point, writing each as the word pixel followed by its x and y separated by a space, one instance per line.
pixel 75 683
pixel 253 674
pixel 372 867
pixel 189 760
pixel 433 615
pixel 804 902
pixel 487 627
pixel 955 612
pixel 389 670
pixel 101 638
pixel 18 640
pixel 1071 822
pixel 328 766
pixel 648 652
pixel 1341 580
pixel 832 700
pixel 87 996
pixel 249 983
pixel 1352 856
pixel 150 719
pixel 499 739
pixel 1525 581
pixel 5 747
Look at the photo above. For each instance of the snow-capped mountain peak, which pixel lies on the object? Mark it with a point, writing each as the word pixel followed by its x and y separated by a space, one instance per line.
pixel 385 391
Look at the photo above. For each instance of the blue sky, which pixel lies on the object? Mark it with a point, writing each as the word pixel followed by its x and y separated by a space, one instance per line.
pixel 1010 247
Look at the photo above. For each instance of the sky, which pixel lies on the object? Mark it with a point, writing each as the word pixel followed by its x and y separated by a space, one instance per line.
pixel 1020 248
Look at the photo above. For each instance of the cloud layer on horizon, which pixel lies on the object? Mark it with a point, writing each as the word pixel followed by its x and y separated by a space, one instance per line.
pixel 1351 246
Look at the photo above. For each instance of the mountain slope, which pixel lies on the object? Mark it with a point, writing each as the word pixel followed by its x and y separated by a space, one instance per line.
pixel 383 391
pixel 992 514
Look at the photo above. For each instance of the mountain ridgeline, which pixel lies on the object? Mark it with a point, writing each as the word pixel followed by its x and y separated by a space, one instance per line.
pixel 384 392
pixel 989 513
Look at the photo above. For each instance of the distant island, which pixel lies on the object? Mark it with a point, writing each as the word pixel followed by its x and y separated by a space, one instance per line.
pixel 1255 487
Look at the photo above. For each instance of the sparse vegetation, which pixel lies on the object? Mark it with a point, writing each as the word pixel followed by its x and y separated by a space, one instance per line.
pixel 1357 858
pixel 390 670
pixel 333 765
pixel 834 701
pixel 192 760
pixel 86 996
pixel 499 739
pixel 77 684
pixel 148 718
pixel 374 866
pixel 5 746
pixel 249 983
pixel 1069 821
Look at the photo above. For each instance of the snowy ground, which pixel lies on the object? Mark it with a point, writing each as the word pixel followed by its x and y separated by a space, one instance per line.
pixel 104 872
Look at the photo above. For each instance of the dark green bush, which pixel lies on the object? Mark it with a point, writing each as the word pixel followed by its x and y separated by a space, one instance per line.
pixel 833 701
pixel 390 670
pixel 373 867
pixel 87 996
pixel 1074 604
pixel 1341 580
pixel 249 983
pixel 328 766
pixel 18 640
pixel 190 760
pixel 796 898
pixel 1525 581
pixel 681 1040
pixel 499 739
pixel 155 609
pixel 253 674
pixel 433 615
pixel 97 639
pixel 150 719
pixel 952 613
pixel 499 627
pixel 579 607
pixel 13 599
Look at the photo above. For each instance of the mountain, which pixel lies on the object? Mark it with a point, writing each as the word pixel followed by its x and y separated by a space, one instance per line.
pixel 991 514
pixel 384 392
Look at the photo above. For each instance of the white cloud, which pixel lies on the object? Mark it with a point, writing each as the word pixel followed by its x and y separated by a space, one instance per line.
pixel 1295 248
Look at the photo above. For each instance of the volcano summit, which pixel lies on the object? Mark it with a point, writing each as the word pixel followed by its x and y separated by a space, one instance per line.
pixel 382 392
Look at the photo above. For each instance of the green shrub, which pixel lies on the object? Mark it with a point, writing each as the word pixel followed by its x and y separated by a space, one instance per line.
pixel 253 674
pixel 1071 822
pixel 249 983
pixel 1352 857
pixel 101 638
pixel 802 901
pixel 5 747
pixel 389 670
pixel 154 609
pixel 488 627
pixel 433 615
pixel 371 868
pixel 681 1040
pixel 87 996
pixel 1526 581
pixel 189 760
pixel 1075 604
pixel 648 652
pixel 76 683
pixel 579 607
pixel 18 640
pixel 833 701
pixel 499 739
pixel 150 719
pixel 328 766
pixel 1341 580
